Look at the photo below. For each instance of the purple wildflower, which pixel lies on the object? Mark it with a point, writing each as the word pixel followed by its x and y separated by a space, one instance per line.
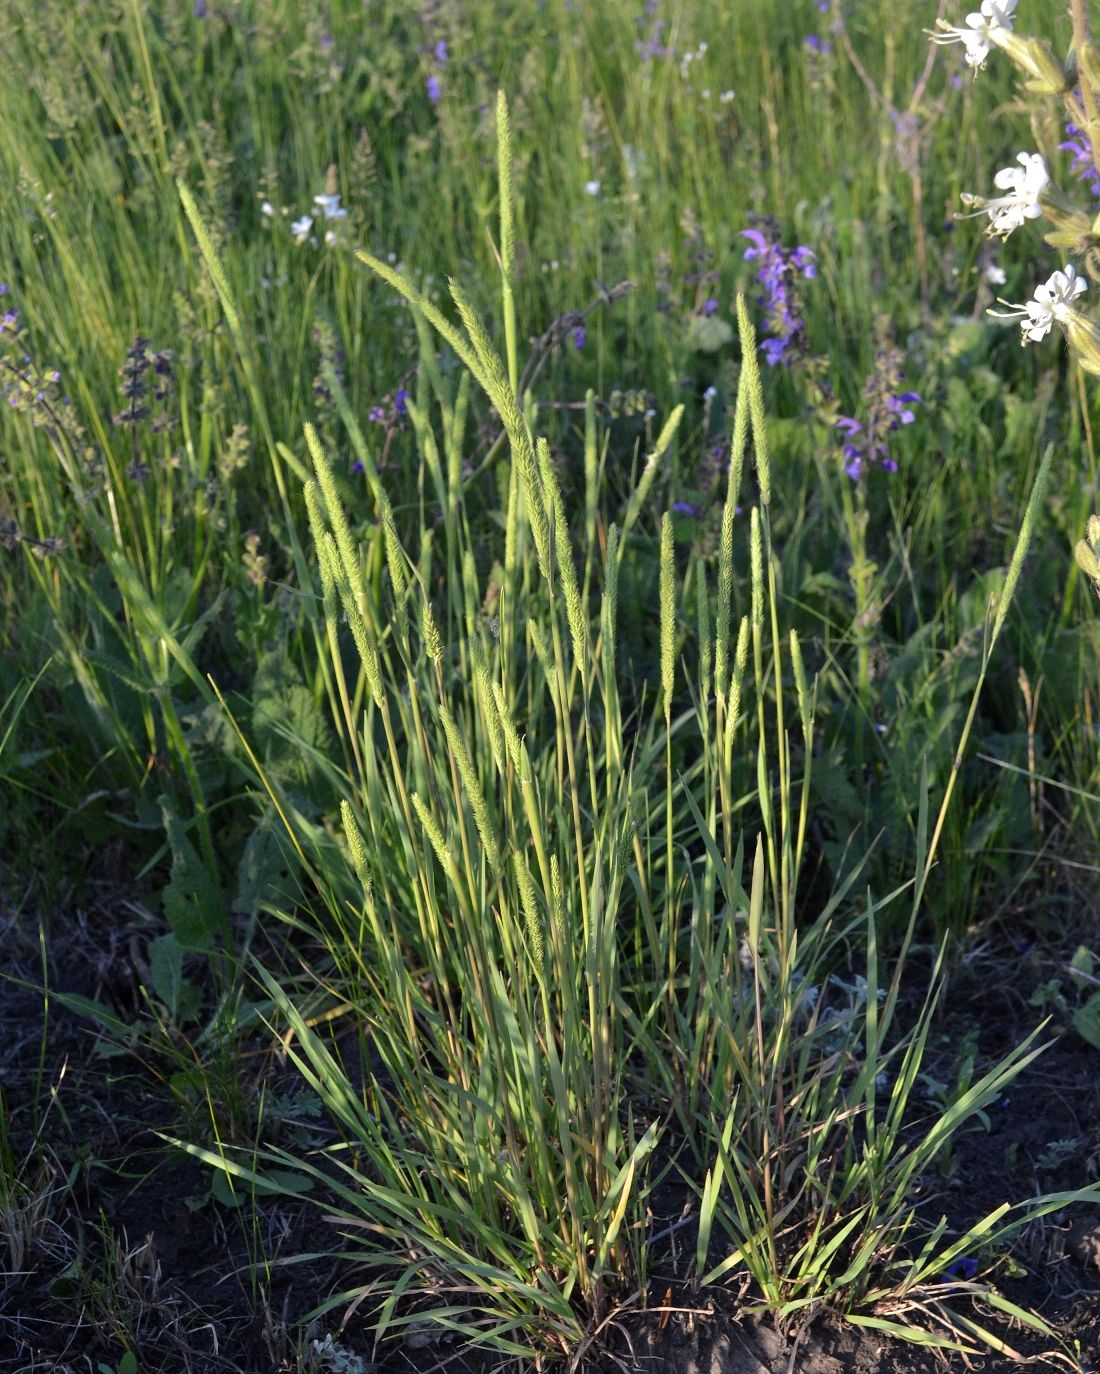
pixel 200 10
pixel 887 408
pixel 399 401
pixel 778 271
pixel 685 508
pixel 816 44
pixel 963 1268
pixel 4 288
pixel 652 46
pixel 434 89
pixel 439 52
pixel 579 336
pixel 710 305
pixel 1081 165
pixel 377 415
pixel 357 468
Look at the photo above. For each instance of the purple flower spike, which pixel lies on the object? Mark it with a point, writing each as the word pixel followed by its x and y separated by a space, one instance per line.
pixel 1082 165
pixel 777 274
pixel 439 52
pixel 434 89
pixel 887 408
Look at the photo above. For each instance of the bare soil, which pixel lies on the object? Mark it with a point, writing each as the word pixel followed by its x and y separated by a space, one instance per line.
pixel 128 1245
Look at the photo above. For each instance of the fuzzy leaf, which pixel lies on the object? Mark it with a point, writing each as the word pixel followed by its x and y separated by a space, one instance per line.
pixel 1086 1020
pixel 193 905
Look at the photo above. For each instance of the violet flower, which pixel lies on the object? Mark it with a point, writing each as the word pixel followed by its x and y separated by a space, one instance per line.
pixel 1081 165
pixel 887 408
pixel 778 274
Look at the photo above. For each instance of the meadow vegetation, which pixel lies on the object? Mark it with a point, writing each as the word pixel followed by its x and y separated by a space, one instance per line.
pixel 541 653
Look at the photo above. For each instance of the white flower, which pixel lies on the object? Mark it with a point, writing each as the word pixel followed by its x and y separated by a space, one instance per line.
pixel 592 188
pixel 1025 185
pixel 983 30
pixel 1051 304
pixel 300 228
pixel 267 209
pixel 330 207
pixel 994 274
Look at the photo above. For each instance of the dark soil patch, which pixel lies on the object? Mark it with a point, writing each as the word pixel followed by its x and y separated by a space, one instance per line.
pixel 130 1248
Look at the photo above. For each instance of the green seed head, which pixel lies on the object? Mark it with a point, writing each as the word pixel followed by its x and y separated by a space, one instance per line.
pixel 668 613
pixel 433 641
pixel 750 369
pixel 756 564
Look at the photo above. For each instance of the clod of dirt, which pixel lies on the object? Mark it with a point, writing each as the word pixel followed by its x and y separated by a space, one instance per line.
pixel 1084 1242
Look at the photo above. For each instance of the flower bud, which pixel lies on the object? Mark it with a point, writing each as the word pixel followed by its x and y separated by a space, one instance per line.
pixel 1033 56
pixel 1050 78
pixel 1087 561
pixel 1083 337
pixel 1071 225
pixel 1088 62
pixel 1086 551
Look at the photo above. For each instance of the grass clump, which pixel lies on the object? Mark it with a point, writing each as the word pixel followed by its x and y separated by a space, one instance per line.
pixel 566 757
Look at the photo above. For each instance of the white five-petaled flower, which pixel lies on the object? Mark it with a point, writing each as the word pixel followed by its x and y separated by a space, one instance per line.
pixel 330 207
pixel 300 228
pixel 1051 304
pixel 1024 184
pixel 982 32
